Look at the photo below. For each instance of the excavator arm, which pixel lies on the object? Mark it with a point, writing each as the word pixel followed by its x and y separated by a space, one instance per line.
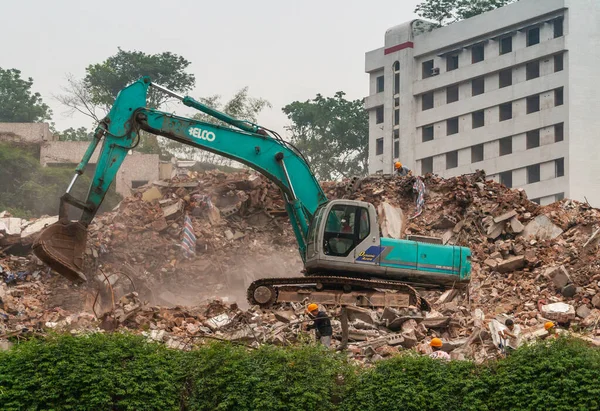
pixel 62 245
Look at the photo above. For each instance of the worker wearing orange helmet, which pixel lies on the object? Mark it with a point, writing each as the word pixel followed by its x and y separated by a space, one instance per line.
pixel 551 328
pixel 437 354
pixel 321 324
pixel 400 169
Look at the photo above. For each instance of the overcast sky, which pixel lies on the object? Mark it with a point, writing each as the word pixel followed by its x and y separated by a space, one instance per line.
pixel 284 50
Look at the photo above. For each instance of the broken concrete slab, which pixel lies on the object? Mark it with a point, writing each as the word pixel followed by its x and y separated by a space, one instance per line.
pixel 583 311
pixel 152 193
pixel 218 321
pixel 285 316
pixel 516 226
pixel 37 226
pixel 561 312
pixel 505 216
pixel 359 313
pixel 494 230
pixel 559 276
pixel 447 296
pixel 511 264
pixel 173 211
pixel 541 228
pixel 592 319
pixel 390 220
pixel 11 225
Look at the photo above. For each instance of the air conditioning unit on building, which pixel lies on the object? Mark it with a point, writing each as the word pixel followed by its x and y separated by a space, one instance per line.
pixel 435 71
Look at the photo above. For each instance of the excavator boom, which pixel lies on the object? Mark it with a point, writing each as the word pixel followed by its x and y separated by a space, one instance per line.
pixel 62 245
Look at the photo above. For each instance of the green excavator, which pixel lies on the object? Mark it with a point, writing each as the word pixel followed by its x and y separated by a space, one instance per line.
pixel 346 261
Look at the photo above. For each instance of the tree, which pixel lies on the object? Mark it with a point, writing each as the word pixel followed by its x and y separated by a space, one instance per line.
pixel 332 133
pixel 17 103
pixel 96 93
pixel 450 11
pixel 71 134
pixel 241 106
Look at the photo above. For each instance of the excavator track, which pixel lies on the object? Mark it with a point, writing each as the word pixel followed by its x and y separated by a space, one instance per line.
pixel 265 292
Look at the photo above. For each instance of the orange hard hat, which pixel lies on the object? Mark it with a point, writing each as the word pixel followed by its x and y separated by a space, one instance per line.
pixel 548 325
pixel 398 165
pixel 436 342
pixel 312 307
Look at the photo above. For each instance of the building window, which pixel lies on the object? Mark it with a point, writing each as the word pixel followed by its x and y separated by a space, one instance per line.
pixel 379 146
pixel 558 97
pixel 477 153
pixel 427 68
pixel 451 62
pixel 506 178
pixel 505 78
pixel 532 70
pixel 478 118
pixel 533 36
pixel 477 53
pixel 427 133
pixel 533 174
pixel 397 83
pixel 452 94
pixel 427 101
pixel 396 66
pixel 559 167
pixel 558 27
pixel 559 197
pixel 505 146
pixel 427 165
pixel 380 84
pixel 533 139
pixel 558 63
pixel 506 45
pixel 396 148
pixel 379 115
pixel 396 134
pixel 477 86
pixel 452 126
pixel 505 111
pixel 536 200
pixel 397 102
pixel 559 130
pixel 533 104
pixel 451 160
pixel 396 117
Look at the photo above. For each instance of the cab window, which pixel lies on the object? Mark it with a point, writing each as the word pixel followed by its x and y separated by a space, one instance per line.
pixel 346 227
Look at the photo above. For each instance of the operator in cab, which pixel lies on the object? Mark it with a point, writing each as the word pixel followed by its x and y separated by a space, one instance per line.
pixel 321 324
pixel 400 169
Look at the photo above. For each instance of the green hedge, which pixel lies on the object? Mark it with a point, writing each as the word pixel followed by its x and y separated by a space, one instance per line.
pixel 123 372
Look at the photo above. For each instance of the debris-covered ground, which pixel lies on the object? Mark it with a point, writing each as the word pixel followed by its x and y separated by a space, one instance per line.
pixel 530 263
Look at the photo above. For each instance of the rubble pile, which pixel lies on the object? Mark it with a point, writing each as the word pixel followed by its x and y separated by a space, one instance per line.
pixel 530 263
pixel 241 228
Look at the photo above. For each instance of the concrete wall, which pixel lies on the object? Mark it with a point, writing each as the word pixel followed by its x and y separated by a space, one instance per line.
pixel 582 99
pixel 136 166
pixel 26 132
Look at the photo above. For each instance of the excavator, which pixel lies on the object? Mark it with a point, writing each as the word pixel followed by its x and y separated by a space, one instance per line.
pixel 346 261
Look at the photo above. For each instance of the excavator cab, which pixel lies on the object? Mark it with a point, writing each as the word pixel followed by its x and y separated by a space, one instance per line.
pixel 340 235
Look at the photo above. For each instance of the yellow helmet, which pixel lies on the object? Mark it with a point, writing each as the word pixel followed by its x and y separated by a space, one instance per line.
pixel 548 325
pixel 397 165
pixel 436 342
pixel 312 307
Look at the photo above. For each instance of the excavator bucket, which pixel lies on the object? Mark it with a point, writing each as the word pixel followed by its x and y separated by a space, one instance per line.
pixel 61 246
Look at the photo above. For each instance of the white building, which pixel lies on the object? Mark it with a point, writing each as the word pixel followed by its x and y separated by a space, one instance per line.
pixel 515 92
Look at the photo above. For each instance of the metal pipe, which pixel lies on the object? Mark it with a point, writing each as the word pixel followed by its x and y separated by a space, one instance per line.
pixel 167 91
